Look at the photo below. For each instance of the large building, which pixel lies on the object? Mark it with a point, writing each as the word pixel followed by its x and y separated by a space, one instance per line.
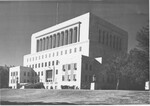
pixel 72 53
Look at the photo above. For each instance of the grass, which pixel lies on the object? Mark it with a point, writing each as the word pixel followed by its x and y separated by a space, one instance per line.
pixel 100 97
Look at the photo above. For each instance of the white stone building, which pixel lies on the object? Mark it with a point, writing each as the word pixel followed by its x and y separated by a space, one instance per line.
pixel 72 52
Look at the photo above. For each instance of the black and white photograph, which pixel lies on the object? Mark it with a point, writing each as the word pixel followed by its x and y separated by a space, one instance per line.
pixel 74 52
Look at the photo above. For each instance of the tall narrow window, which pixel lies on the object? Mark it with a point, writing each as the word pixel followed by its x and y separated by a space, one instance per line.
pixel 75 66
pixel 62 38
pixel 99 36
pixel 66 36
pixel 107 38
pixel 110 40
pixel 103 41
pixel 49 63
pixel 75 34
pixel 37 47
pixel 63 77
pixel 43 44
pixel 47 43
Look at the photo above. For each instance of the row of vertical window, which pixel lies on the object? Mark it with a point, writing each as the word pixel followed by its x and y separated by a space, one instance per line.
pixel 46 64
pixel 54 54
pixel 110 40
pixel 57 39
pixel 13 81
pixel 69 66
pixel 69 77
pixel 32 81
pixel 88 78
pixel 14 73
pixel 88 66
pixel 30 74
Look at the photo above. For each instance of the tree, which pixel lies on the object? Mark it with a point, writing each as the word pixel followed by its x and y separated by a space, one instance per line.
pixel 115 65
pixel 4 76
pixel 143 50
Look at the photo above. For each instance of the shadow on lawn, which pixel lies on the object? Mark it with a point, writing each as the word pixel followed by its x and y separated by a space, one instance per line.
pixel 52 103
pixel 34 103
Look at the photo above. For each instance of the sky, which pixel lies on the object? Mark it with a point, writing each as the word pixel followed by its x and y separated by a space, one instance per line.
pixel 20 19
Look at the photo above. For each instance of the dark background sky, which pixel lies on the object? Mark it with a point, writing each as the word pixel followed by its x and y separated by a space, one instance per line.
pixel 19 20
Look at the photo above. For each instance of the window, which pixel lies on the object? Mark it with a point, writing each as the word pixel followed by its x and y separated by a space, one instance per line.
pixel 24 73
pixel 85 78
pixel 42 64
pixel 69 66
pixel 90 78
pixel 35 74
pixel 45 64
pixel 70 50
pixel 45 55
pixel 49 63
pixel 32 65
pixel 63 67
pixel 56 71
pixel 68 77
pixel 52 62
pixel 99 36
pixel 86 66
pixel 35 65
pixel 28 81
pixel 42 56
pixel 57 53
pixel 65 51
pixel 39 65
pixel 11 74
pixel 80 49
pixel 61 52
pixel 74 77
pixel 90 67
pixel 32 74
pixel 57 62
pixel 24 81
pixel 28 73
pixel 42 73
pixel 107 39
pixel 38 73
pixel 16 73
pixel 75 49
pixel 63 78
pixel 53 54
pixel 75 66
pixel 49 55
pixel 103 37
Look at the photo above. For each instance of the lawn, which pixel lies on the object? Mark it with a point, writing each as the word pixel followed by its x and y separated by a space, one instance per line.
pixel 99 97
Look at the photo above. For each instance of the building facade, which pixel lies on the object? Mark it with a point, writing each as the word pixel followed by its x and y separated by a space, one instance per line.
pixel 72 53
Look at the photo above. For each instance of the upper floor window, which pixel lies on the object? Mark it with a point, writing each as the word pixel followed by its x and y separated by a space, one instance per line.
pixel 56 71
pixel 75 49
pixel 45 64
pixel 28 73
pixel 75 66
pixel 49 63
pixel 63 67
pixel 80 49
pixel 86 66
pixel 69 67
pixel 24 73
